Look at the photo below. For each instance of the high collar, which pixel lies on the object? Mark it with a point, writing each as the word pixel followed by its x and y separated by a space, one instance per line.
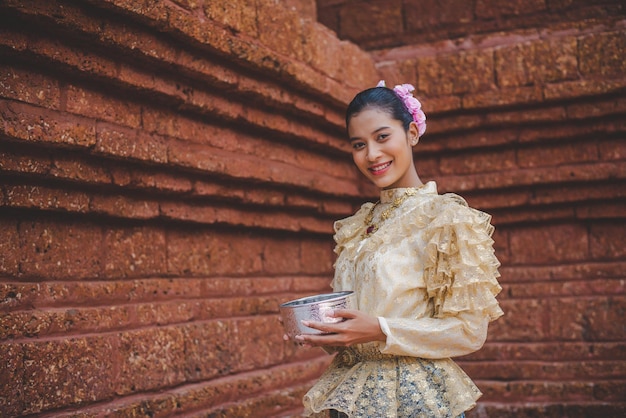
pixel 388 195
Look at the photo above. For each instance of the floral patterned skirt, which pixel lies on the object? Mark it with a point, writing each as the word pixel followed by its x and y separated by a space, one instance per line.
pixel 363 383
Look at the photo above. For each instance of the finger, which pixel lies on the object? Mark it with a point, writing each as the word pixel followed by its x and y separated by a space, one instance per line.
pixel 314 325
pixel 345 313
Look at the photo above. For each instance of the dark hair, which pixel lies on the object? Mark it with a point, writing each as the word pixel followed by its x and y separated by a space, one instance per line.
pixel 382 98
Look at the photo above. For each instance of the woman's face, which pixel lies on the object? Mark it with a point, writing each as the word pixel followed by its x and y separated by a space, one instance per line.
pixel 382 149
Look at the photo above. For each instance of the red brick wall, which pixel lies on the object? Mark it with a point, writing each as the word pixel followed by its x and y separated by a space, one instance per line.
pixel 527 115
pixel 170 172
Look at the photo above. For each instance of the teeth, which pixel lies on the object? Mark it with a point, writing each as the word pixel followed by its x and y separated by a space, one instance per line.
pixel 380 167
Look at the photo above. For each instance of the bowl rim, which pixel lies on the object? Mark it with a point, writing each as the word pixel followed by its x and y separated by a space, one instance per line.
pixel 333 296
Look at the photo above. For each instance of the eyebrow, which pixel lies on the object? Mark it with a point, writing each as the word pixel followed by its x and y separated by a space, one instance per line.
pixel 373 132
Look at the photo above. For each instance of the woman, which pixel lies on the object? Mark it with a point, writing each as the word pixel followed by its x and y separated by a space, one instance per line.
pixel 424 274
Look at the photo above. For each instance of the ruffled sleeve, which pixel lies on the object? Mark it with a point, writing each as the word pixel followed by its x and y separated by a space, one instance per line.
pixel 460 267
pixel 459 280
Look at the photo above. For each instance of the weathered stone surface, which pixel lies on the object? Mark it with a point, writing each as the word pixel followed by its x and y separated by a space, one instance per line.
pixel 170 172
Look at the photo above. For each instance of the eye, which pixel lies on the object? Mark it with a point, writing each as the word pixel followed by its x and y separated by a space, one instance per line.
pixel 358 145
pixel 382 137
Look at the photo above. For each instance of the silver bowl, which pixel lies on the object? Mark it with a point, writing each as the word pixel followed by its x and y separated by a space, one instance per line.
pixel 313 308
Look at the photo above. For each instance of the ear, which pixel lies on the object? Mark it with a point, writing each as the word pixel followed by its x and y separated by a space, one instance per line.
pixel 413 134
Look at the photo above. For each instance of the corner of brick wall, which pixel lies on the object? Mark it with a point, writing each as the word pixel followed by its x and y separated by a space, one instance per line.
pixel 170 174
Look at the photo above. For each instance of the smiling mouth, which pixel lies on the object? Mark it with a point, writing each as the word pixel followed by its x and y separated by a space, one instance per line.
pixel 380 168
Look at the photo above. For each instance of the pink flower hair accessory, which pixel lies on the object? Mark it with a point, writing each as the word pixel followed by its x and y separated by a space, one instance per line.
pixel 405 93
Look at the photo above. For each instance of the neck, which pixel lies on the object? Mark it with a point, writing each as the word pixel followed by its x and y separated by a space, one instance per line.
pixel 412 181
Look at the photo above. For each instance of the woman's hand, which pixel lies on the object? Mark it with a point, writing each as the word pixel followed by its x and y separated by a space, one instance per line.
pixel 357 328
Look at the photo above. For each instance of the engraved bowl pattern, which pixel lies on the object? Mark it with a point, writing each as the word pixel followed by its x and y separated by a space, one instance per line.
pixel 313 308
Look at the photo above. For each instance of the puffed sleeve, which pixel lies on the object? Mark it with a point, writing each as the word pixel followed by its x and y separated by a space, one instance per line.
pixel 460 279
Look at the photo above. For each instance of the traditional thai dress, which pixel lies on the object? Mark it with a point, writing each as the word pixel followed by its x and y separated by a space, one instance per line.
pixel 429 274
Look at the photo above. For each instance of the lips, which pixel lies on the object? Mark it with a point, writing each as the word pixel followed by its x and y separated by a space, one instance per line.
pixel 379 168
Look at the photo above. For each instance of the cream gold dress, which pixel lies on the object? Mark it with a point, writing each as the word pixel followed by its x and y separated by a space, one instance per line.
pixel 429 274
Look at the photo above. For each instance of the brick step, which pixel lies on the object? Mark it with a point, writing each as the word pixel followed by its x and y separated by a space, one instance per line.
pixel 44 248
pixel 103 317
pixel 545 391
pixel 548 351
pixel 135 379
pixel 546 371
pixel 555 409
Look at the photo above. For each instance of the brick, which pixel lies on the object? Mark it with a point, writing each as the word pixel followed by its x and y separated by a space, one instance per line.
pixel 12 401
pixel 428 14
pixel 72 371
pixel 52 322
pixel 150 178
pixel 549 243
pixel 503 97
pixel 187 4
pixel 27 86
pixel 159 406
pixel 552 114
pixel 587 319
pixel 59 249
pixel 238 15
pixel 577 88
pixel 323 43
pixel 539 215
pixel 281 30
pixel 614 391
pixel 208 348
pixel 130 144
pixel 537 62
pixel 124 207
pixel 612 150
pixel 584 270
pixel 9 245
pixel 442 103
pixel 543 371
pixel 79 60
pixel 166 313
pixel 66 15
pixel 256 343
pixel 537 391
pixel 610 62
pixel 21 161
pixel 558 154
pixel 596 108
pixel 399 72
pixel 133 252
pixel 550 288
pixel 26 123
pixel 600 211
pixel 46 198
pixel 524 320
pixel 549 351
pixel 74 167
pixel 102 106
pixel 463 72
pixel 281 256
pixel 607 240
pixel 317 257
pixel 547 410
pixel 483 161
pixel 274 403
pixel 202 252
pixel 489 9
pixel 360 21
pixel 150 359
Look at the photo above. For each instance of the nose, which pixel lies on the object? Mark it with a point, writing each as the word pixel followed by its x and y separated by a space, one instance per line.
pixel 373 152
